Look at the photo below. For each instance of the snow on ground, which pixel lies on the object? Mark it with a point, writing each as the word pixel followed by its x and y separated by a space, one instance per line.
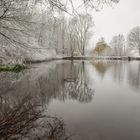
pixel 134 53
pixel 11 57
pixel 41 55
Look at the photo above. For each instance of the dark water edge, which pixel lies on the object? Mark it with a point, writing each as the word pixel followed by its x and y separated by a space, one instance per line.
pixel 102 58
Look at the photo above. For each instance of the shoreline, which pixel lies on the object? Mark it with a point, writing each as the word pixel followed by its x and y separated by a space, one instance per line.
pixel 18 68
pixel 127 58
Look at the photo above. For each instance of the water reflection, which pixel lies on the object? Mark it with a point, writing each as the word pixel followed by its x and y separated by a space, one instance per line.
pixel 134 75
pixel 66 81
pixel 25 95
pixel 76 84
pixel 60 88
pixel 120 71
pixel 25 118
pixel 101 67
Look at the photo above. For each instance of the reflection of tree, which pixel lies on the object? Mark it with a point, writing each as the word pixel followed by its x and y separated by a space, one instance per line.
pixel 134 75
pixel 5 80
pixel 24 118
pixel 76 86
pixel 118 70
pixel 17 118
pixel 65 80
pixel 101 67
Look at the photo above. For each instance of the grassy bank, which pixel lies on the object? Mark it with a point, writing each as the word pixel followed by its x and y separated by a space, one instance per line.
pixel 16 68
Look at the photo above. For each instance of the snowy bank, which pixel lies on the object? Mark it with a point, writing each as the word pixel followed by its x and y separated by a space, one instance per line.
pixel 42 56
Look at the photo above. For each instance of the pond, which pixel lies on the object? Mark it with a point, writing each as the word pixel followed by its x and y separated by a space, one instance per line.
pixel 97 100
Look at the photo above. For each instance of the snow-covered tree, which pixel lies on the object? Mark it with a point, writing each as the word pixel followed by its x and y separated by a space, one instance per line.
pixel 15 27
pixel 133 39
pixel 82 25
pixel 118 45
pixel 25 26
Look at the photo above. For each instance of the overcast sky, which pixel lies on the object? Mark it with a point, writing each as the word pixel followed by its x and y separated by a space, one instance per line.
pixel 120 19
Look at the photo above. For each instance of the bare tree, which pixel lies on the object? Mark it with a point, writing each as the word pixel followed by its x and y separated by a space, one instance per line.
pixel 82 24
pixel 19 30
pixel 118 45
pixel 133 38
pixel 72 39
pixel 14 21
pixel 14 14
pixel 87 4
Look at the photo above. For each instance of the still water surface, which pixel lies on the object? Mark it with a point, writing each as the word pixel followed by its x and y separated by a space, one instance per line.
pixel 97 100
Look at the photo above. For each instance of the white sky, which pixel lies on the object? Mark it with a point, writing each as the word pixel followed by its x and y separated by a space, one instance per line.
pixel 120 19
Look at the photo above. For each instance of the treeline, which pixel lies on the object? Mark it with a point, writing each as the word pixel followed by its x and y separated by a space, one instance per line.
pixel 120 45
pixel 29 27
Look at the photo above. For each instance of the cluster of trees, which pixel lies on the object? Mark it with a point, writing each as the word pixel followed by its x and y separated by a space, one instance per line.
pixel 119 46
pixel 29 25
pixel 16 25
pixel 67 36
pixel 123 47
pixel 134 39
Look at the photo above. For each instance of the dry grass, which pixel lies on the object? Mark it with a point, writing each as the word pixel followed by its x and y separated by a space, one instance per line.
pixel 24 119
